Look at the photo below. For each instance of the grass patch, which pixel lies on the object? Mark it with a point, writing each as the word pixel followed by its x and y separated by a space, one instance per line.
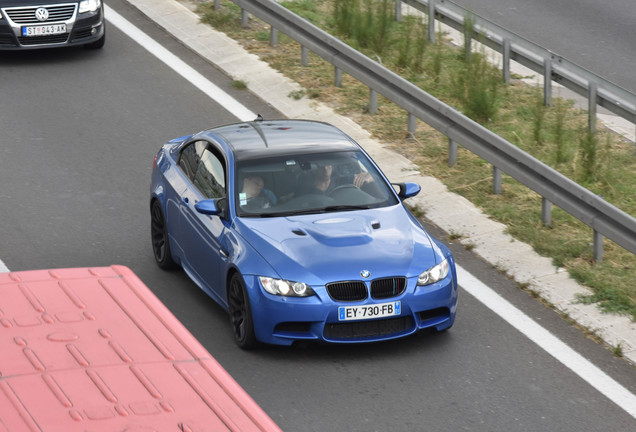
pixel 556 135
pixel 239 85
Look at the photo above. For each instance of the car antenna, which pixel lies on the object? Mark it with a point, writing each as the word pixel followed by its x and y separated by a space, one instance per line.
pixel 259 118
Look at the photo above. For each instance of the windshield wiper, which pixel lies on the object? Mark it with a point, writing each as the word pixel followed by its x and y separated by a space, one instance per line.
pixel 318 210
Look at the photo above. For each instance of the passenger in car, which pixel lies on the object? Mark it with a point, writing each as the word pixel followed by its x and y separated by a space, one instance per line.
pixel 254 195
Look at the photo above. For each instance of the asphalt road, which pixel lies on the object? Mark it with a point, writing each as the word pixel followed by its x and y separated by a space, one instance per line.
pixel 597 35
pixel 79 130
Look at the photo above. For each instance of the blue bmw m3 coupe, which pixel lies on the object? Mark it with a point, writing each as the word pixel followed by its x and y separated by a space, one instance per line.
pixel 293 229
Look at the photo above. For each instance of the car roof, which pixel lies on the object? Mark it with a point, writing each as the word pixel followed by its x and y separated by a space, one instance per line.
pixel 257 139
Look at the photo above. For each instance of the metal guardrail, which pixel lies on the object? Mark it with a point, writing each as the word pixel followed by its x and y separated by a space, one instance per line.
pixel 605 219
pixel 551 66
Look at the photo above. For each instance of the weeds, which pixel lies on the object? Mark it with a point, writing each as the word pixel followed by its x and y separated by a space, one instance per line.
pixel 559 132
pixel 239 85
pixel 538 111
pixel 477 86
pixel 588 151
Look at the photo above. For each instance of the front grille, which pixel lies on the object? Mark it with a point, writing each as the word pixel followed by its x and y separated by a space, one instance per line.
pixel 368 329
pixel 347 291
pixel 388 287
pixel 357 290
pixel 26 15
pixel 41 40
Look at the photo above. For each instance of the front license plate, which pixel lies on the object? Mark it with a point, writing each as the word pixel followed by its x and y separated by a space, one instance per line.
pixel 45 30
pixel 370 311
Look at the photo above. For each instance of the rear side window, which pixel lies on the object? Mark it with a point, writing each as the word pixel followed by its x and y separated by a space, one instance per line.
pixel 190 158
pixel 205 167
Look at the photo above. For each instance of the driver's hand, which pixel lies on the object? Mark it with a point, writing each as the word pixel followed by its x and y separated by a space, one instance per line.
pixel 362 178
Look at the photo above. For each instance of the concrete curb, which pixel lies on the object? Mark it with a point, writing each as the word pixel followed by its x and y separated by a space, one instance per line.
pixel 449 211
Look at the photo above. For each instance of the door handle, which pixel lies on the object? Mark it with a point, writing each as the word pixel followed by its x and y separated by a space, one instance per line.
pixel 185 200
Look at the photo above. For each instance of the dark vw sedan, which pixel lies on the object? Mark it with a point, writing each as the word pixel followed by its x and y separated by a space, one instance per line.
pixel 30 24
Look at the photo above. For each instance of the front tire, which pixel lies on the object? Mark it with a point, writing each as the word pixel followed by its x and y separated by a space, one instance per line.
pixel 241 314
pixel 160 239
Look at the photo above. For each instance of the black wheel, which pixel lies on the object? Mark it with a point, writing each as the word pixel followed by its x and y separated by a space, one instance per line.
pixel 159 237
pixel 241 314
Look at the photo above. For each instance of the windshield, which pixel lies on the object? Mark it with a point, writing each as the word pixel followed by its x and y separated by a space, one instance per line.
pixel 309 183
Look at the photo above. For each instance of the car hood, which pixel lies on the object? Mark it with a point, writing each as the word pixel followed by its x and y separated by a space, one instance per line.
pixel 316 249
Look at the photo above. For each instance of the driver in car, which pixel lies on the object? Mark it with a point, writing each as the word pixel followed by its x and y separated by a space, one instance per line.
pixel 323 181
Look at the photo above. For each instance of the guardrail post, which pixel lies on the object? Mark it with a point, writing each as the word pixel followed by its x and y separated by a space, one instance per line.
pixel 337 81
pixel 398 10
pixel 373 102
pixel 431 21
pixel 273 37
pixel 547 82
pixel 506 61
pixel 244 18
pixel 598 246
pixel 217 4
pixel 304 56
pixel 592 88
pixel 496 180
pixel 452 152
pixel 546 212
pixel 411 125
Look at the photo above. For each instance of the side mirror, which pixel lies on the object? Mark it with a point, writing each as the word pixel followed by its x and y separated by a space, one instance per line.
pixel 407 190
pixel 207 207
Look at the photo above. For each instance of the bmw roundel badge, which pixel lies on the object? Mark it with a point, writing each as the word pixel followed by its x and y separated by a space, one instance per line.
pixel 365 273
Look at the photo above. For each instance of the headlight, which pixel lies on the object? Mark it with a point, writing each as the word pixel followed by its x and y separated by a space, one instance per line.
pixel 89 5
pixel 286 288
pixel 434 274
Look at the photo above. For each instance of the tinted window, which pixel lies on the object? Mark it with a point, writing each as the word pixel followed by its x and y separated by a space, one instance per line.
pixel 190 158
pixel 205 167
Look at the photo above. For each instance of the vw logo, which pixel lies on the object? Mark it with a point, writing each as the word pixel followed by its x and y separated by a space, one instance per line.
pixel 365 273
pixel 42 14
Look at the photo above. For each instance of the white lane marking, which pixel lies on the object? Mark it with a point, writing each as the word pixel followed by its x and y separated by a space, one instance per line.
pixel 179 66
pixel 550 343
pixel 543 338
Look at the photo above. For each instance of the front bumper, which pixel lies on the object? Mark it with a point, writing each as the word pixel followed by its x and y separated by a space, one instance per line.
pixel 285 320
pixel 81 29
